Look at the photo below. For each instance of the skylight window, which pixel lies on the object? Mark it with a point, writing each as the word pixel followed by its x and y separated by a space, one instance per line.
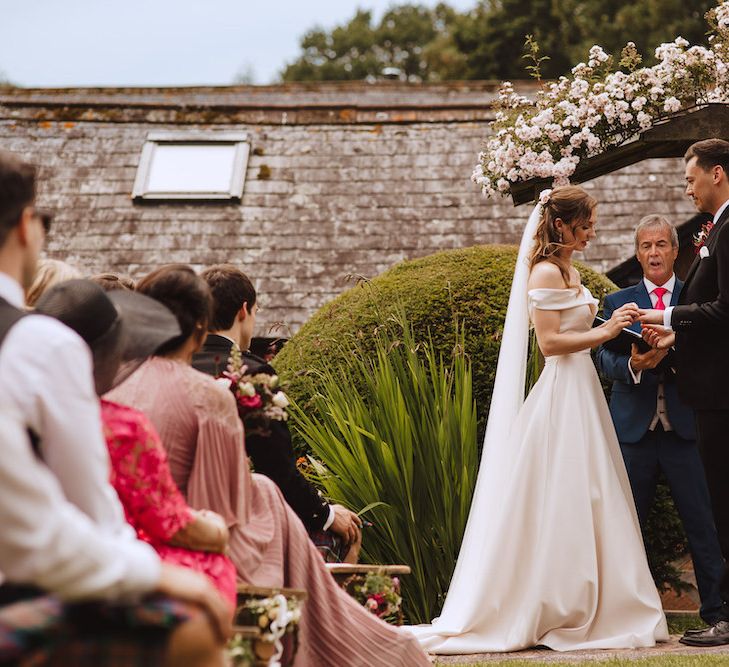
pixel 192 166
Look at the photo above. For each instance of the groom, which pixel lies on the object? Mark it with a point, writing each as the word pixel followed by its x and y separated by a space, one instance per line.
pixel 655 429
pixel 699 328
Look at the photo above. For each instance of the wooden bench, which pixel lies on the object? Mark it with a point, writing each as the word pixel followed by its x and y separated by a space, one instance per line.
pixel 342 571
pixel 246 591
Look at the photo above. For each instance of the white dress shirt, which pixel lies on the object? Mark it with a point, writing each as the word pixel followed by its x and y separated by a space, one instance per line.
pixel 46 541
pixel 46 378
pixel 661 410
pixel 669 311
pixel 46 374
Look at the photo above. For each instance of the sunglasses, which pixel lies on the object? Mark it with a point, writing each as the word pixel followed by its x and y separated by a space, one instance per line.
pixel 46 218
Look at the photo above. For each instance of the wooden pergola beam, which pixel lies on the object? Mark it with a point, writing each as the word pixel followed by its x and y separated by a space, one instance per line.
pixel 670 137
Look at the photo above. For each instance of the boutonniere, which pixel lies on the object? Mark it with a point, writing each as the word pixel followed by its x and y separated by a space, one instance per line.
pixel 703 252
pixel 700 237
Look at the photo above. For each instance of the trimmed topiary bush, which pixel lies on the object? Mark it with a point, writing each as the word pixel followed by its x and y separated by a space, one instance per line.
pixel 470 286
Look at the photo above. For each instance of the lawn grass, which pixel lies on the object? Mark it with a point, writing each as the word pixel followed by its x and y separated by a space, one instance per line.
pixel 656 661
pixel 679 623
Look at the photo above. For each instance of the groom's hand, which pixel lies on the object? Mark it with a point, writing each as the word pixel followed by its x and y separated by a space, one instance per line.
pixel 646 360
pixel 650 316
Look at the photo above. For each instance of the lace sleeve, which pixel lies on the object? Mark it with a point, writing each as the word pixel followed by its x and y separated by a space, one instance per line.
pixel 141 476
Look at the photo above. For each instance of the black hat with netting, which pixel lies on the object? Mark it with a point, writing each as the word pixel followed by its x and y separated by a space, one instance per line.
pixel 123 323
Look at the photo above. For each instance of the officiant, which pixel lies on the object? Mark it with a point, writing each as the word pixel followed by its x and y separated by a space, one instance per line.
pixel 656 431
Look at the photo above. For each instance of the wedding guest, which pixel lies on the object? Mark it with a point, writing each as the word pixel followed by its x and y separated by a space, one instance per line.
pixel 655 429
pixel 199 426
pixel 139 472
pixel 45 368
pixel 50 272
pixel 232 323
pixel 46 543
pixel 56 562
pixel 698 326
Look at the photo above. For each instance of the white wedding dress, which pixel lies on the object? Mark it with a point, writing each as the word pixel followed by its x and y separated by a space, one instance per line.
pixel 552 553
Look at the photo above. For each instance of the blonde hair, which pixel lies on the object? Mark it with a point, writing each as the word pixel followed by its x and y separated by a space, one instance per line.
pixel 50 272
pixel 572 205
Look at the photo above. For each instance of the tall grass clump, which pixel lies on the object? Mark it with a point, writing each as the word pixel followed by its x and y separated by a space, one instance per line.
pixel 395 432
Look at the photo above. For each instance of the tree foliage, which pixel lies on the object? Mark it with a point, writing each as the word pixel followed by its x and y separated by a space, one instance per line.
pixel 414 39
pixel 435 44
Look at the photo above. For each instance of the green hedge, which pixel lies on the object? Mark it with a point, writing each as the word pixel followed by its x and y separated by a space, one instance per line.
pixel 469 285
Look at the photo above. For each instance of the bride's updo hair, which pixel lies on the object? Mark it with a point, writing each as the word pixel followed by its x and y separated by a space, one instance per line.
pixel 573 206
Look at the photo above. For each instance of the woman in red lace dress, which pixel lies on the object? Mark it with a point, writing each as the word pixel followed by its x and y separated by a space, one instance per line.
pixel 155 507
pixel 139 470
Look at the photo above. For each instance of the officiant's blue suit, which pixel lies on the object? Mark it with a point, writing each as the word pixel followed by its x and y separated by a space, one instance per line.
pixel 646 452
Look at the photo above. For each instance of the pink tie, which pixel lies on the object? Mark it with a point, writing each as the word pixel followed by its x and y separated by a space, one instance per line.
pixel 659 292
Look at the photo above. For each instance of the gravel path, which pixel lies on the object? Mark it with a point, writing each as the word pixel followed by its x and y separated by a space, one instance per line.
pixel 545 656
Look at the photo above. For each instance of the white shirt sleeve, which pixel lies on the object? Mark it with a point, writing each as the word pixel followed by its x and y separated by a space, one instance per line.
pixel 667 317
pixel 330 518
pixel 47 542
pixel 636 375
pixel 46 371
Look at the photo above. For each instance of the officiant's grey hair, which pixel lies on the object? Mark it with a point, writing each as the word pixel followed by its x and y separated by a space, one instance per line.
pixel 655 220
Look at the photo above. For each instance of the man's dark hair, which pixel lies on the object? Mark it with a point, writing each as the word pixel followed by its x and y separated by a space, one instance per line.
pixel 709 153
pixel 17 190
pixel 231 288
pixel 186 294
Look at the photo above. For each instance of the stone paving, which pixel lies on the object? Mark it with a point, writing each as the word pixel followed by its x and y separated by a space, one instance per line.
pixel 545 656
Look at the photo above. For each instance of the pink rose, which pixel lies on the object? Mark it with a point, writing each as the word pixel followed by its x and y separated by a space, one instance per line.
pixel 250 402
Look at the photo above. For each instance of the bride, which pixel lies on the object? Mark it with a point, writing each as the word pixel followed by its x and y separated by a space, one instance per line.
pixel 552 554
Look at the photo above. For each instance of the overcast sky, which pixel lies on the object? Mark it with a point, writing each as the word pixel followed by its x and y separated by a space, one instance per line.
pixel 161 42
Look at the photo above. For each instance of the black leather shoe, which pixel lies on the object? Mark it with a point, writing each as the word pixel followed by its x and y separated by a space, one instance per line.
pixel 716 635
pixel 695 631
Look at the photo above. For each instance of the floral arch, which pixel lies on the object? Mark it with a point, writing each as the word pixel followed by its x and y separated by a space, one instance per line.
pixel 600 118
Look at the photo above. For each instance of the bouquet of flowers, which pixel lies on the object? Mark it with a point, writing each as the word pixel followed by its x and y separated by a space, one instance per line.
pixel 276 616
pixel 259 398
pixel 379 594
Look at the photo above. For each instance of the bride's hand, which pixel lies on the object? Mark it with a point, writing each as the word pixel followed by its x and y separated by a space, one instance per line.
pixel 622 317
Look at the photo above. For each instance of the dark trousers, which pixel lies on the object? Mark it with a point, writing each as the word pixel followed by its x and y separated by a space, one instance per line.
pixel 680 462
pixel 713 435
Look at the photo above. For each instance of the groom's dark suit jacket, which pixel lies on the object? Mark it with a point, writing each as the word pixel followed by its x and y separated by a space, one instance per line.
pixel 633 406
pixel 701 322
pixel 272 455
